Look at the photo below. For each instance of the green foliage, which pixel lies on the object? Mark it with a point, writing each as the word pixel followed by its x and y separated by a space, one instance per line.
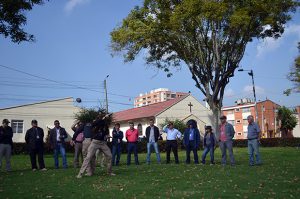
pixel 12 18
pixel 209 37
pixel 89 114
pixel 294 75
pixel 178 124
pixel 288 120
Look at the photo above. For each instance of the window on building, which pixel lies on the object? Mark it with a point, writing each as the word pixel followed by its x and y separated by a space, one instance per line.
pixel 229 112
pixel 231 122
pixel 246 110
pixel 144 98
pixel 239 133
pixel 149 102
pixel 155 96
pixel 173 95
pixel 238 121
pixel 149 97
pixel 168 95
pixel 17 126
pixel 237 110
pixel 140 129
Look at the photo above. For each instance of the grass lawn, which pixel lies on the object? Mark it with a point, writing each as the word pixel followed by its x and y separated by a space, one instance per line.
pixel 278 177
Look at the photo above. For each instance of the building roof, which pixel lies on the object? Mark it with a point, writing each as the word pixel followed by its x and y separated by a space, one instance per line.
pixel 146 111
pixel 41 102
pixel 246 105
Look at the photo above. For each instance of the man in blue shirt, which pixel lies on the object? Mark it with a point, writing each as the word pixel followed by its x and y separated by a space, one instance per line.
pixel 253 137
pixel 172 135
pixel 191 141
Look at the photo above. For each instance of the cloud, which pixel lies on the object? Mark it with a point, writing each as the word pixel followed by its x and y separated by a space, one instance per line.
pixel 271 44
pixel 229 92
pixel 248 90
pixel 71 4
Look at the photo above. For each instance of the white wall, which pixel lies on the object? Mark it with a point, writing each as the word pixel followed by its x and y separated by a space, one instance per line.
pixel 45 113
pixel 296 130
pixel 181 110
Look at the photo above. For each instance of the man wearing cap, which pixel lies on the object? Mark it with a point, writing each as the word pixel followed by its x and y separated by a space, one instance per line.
pixel 35 141
pixel 6 135
pixel 57 142
pixel 172 136
pixel 253 137
pixel 209 143
pixel 226 132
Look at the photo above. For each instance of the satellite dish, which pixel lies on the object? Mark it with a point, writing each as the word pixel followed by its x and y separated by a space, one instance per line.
pixel 78 100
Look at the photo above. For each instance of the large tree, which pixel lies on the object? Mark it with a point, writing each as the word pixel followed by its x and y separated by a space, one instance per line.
pixel 288 121
pixel 12 18
pixel 294 75
pixel 208 36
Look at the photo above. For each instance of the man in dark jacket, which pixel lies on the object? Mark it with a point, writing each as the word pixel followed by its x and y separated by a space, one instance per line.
pixel 191 141
pixel 35 141
pixel 117 137
pixel 6 135
pixel 57 142
pixel 152 135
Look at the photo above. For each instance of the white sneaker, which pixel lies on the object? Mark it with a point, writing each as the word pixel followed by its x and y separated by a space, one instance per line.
pixel 44 169
pixel 79 175
pixel 112 174
pixel 33 169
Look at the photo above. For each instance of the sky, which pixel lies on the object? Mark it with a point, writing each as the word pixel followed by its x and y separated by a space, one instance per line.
pixel 72 48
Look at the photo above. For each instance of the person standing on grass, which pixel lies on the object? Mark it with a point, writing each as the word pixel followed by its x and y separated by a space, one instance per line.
pixel 35 141
pixel 191 141
pixel 152 136
pixel 209 143
pixel 172 136
pixel 6 134
pixel 226 132
pixel 87 134
pixel 132 136
pixel 100 133
pixel 57 142
pixel 253 137
pixel 117 137
pixel 76 141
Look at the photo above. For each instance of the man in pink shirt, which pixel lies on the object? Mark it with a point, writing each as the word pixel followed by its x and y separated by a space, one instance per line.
pixel 132 136
pixel 226 132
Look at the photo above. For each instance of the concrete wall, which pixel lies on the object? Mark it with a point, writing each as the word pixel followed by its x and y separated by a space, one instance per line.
pixel 45 113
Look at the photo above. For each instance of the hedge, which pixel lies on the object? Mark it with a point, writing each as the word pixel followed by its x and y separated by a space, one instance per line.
pixel 21 148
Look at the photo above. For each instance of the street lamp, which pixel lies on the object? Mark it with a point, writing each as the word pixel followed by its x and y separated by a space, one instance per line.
pixel 105 88
pixel 252 75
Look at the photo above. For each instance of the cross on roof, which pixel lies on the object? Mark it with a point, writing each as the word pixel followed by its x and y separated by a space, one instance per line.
pixel 190 105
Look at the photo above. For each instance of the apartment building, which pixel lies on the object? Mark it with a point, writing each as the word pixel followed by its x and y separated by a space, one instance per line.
pixel 267 112
pixel 156 96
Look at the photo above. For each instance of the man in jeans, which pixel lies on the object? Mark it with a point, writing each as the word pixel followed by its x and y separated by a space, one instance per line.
pixel 226 132
pixel 6 135
pixel 57 142
pixel 152 135
pixel 253 137
pixel 132 136
pixel 117 137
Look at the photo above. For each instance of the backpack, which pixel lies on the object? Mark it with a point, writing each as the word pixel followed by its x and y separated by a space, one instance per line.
pixel 80 137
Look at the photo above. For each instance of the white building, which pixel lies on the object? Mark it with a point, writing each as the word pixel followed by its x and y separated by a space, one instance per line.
pixel 44 112
pixel 182 108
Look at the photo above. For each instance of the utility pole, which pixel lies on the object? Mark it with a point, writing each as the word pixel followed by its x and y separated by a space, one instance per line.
pixel 253 85
pixel 105 88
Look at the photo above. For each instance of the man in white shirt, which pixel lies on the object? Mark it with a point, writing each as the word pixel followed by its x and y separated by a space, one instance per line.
pixel 172 136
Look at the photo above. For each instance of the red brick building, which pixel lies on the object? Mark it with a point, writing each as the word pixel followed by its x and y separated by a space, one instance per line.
pixel 267 110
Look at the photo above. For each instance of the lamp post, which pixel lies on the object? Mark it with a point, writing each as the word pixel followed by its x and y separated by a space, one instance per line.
pixel 250 72
pixel 105 88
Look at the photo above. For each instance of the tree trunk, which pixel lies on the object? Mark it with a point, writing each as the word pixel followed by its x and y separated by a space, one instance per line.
pixel 216 121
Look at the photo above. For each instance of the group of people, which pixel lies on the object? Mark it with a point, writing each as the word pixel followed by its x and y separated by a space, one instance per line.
pixel 91 137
